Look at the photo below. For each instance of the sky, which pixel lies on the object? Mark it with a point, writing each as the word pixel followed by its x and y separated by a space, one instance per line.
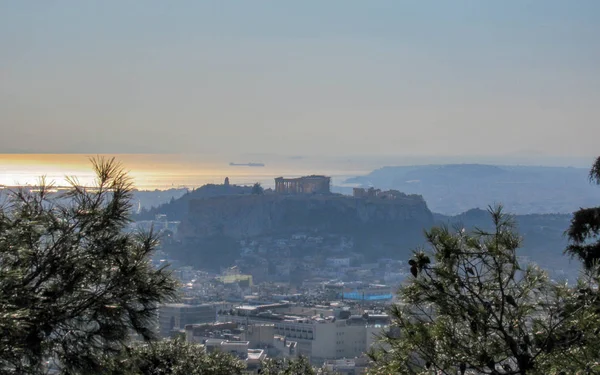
pixel 431 78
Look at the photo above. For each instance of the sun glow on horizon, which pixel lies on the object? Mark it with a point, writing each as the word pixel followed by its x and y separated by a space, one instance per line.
pixel 27 169
pixel 157 171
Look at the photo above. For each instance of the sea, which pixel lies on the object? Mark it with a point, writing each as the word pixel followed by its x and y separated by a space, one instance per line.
pixel 167 171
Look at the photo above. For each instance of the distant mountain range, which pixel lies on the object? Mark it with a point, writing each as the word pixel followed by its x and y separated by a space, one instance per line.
pixel 455 188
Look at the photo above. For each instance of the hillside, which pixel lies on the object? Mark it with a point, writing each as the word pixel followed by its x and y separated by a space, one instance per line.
pixel 210 235
pixel 455 188
pixel 146 199
pixel 543 235
pixel 216 219
pixel 246 216
pixel 177 209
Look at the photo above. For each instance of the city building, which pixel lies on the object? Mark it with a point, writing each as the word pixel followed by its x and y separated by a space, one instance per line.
pixel 175 316
pixel 284 347
pixel 199 333
pixel 238 349
pixel 320 333
pixel 303 185
pixel 233 275
pixel 368 292
pixel 258 336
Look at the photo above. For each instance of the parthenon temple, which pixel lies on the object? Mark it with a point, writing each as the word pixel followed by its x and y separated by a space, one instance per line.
pixel 303 185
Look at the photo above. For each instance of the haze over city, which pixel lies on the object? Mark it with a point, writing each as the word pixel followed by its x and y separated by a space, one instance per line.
pixel 305 187
pixel 387 78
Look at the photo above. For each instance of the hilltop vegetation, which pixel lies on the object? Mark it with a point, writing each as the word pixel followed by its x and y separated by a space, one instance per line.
pixel 177 209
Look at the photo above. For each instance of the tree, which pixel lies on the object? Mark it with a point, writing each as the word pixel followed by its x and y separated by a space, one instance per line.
pixel 584 232
pixel 257 189
pixel 584 238
pixel 471 307
pixel 73 284
pixel 595 172
pixel 278 366
pixel 174 357
pixel 577 342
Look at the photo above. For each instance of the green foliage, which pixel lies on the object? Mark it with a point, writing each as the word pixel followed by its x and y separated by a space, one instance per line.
pixel 595 172
pixel 173 357
pixel 584 232
pixel 299 366
pixel 178 209
pixel 257 189
pixel 73 284
pixel 472 308
pixel 584 236
pixel 577 342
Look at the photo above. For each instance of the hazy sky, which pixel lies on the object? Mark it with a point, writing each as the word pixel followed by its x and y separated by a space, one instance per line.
pixel 301 77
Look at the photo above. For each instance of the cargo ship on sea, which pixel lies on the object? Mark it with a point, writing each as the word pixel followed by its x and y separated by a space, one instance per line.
pixel 246 164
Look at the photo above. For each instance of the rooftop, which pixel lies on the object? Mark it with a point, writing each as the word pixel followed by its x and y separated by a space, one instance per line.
pixel 255 354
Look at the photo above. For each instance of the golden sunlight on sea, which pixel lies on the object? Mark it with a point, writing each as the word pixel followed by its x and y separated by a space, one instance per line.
pixel 149 171
pixel 156 171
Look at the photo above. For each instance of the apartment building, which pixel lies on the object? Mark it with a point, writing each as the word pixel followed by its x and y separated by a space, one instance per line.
pixel 175 316
pixel 326 335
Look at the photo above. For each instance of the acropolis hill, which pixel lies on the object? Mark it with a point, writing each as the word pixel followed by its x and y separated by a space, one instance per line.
pixel 216 219
pixel 389 221
pixel 243 216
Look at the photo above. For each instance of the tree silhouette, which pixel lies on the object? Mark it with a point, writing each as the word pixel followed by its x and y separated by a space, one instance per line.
pixel 73 283
pixel 173 357
pixel 278 366
pixel 584 231
pixel 257 189
pixel 471 307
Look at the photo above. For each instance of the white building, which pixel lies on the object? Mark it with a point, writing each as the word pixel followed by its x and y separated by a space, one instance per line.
pixel 175 316
pixel 321 336
pixel 284 347
pixel 259 337
pixel 237 348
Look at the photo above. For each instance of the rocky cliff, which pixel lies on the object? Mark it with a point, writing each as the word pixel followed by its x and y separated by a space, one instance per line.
pixel 177 209
pixel 246 216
